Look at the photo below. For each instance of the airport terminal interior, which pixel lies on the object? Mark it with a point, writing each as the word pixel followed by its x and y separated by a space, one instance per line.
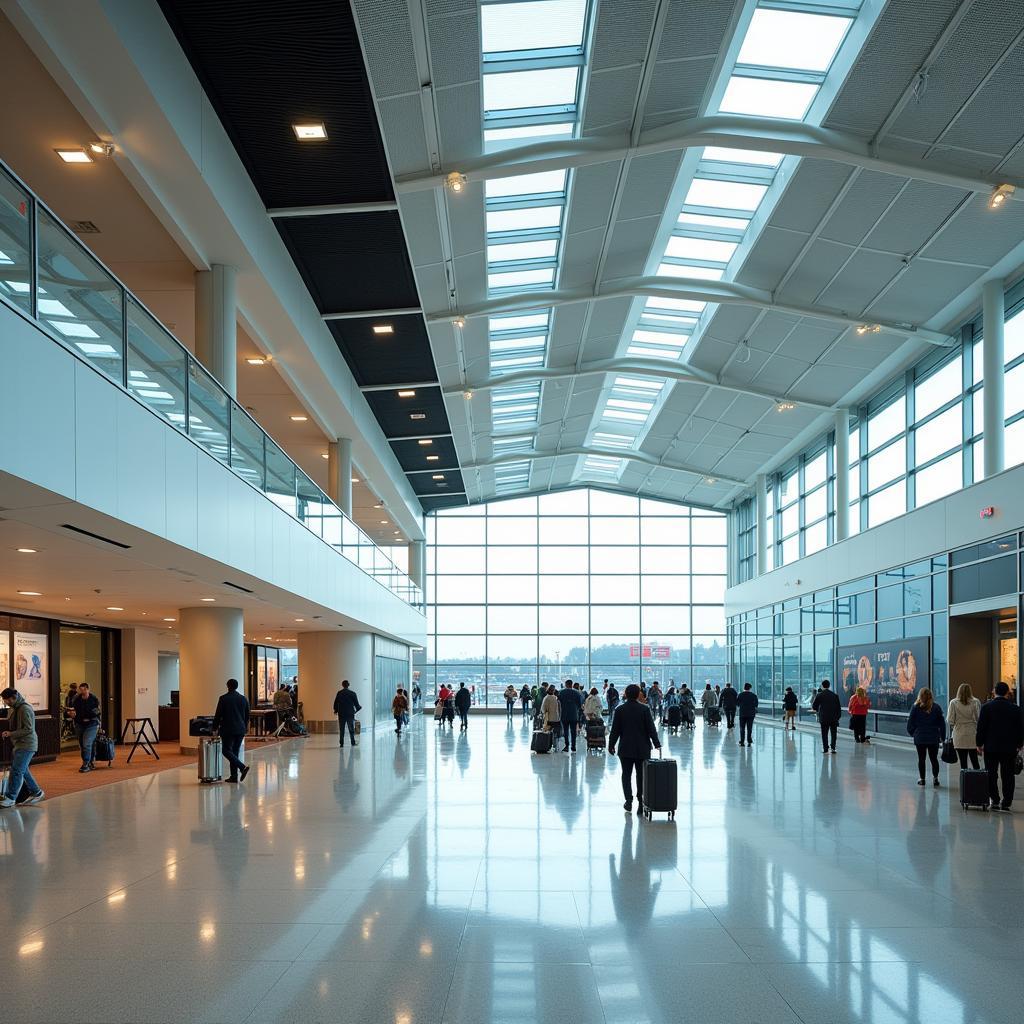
pixel 415 412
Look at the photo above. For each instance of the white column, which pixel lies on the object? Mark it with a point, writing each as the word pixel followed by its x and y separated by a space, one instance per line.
pixel 417 562
pixel 339 474
pixel 210 654
pixel 140 691
pixel 761 511
pixel 993 311
pixel 842 468
pixel 325 659
pixel 216 310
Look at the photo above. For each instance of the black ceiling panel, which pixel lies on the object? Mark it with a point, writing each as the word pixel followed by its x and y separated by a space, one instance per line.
pixel 395 415
pixel 403 356
pixel 352 262
pixel 424 484
pixel 412 455
pixel 453 501
pixel 269 64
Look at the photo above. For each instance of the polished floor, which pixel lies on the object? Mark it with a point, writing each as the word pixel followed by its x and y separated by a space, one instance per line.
pixel 459 878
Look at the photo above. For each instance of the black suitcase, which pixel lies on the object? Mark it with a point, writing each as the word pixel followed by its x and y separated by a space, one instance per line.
pixel 661 781
pixel 541 742
pixel 595 735
pixel 713 716
pixel 201 725
pixel 103 749
pixel 973 788
pixel 675 717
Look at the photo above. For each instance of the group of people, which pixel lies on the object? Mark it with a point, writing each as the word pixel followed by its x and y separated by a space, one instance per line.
pixel 451 701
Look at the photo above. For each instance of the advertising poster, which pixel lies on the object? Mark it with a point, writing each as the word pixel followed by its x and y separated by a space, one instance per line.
pixel 261 673
pixel 272 672
pixel 31 670
pixel 892 673
pixel 5 658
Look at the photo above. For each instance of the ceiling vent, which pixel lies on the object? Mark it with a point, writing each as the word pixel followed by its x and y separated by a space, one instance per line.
pixel 84 227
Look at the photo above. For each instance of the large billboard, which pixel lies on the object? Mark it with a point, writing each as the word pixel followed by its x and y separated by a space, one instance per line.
pixel 892 673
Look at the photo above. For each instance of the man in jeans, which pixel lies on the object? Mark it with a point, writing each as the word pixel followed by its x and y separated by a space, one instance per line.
pixel 1000 735
pixel 21 732
pixel 85 710
pixel 346 704
pixel 829 711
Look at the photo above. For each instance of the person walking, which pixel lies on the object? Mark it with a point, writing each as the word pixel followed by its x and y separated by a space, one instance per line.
pixel 1000 737
pixel 570 711
pixel 85 710
pixel 511 696
pixel 962 719
pixel 927 725
pixel 346 704
pixel 551 713
pixel 524 697
pixel 612 699
pixel 634 733
pixel 829 710
pixel 709 705
pixel 746 703
pixel 728 701
pixel 858 707
pixel 21 731
pixel 688 706
pixel 231 722
pixel 654 699
pixel 463 699
pixel 592 706
pixel 399 709
pixel 789 705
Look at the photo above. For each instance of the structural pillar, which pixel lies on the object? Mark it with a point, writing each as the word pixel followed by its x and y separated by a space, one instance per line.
pixel 216 311
pixel 842 470
pixel 417 562
pixel 339 474
pixel 325 658
pixel 211 653
pixel 761 513
pixel 993 312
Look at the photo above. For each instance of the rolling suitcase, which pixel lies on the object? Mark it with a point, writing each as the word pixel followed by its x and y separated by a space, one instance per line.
pixel 541 742
pixel 595 735
pixel 974 788
pixel 674 717
pixel 661 779
pixel 688 716
pixel 713 716
pixel 210 759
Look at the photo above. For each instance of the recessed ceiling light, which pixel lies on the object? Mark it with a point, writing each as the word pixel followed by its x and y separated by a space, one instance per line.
pixel 455 182
pixel 417 415
pixel 256 361
pixel 314 132
pixel 383 522
pixel 467 395
pixel 26 551
pixel 170 620
pixel 74 156
pixel 433 458
pixel 784 406
pixel 298 418
pixel 30 593
pixel 355 479
pixel 383 329
pixel 324 455
pixel 869 328
pixel 207 599
pixel 300 620
pixel 114 608
pixel 406 394
pixel 268 638
pixel 425 440
pixel 437 476
pixel 379 504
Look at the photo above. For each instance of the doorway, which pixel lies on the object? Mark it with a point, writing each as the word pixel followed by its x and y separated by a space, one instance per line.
pixel 983 650
pixel 83 659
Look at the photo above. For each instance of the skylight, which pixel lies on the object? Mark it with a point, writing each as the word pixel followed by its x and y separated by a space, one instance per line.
pixel 542 183
pixel 792 39
pixel 703 220
pixel 521 279
pixel 522 251
pixel 766 97
pixel 700 249
pixel 725 195
pixel 495 138
pixel 516 90
pixel 533 218
pixel 742 156
pixel 686 270
pixel 533 25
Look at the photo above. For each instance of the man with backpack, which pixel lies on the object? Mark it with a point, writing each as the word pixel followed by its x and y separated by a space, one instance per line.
pixel 21 731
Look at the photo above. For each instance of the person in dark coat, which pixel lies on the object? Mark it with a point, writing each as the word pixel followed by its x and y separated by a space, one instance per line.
pixel 1000 737
pixel 524 697
pixel 747 704
pixel 570 706
pixel 463 699
pixel 829 710
pixel 727 702
pixel 346 704
pixel 634 733
pixel 231 722
pixel 927 725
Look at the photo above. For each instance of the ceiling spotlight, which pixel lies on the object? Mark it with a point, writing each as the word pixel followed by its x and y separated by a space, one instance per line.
pixel 355 479
pixel 169 620
pixel 1000 194
pixel 455 182
pixel 268 638
pixel 433 458
pixel 207 599
pixel 315 132
pixel 784 406
pixel 114 608
pixel 256 361
pixel 26 551
pixel 300 620
pixel 424 441
pixel 298 418
pixel 710 480
pixel 406 394
pixel 379 504
pixel 437 476
pixel 869 328
pixel 467 395
pixel 101 148
pixel 324 455
pixel 30 593
pixel 74 156
pixel 459 321
pixel 383 522
pixel 383 329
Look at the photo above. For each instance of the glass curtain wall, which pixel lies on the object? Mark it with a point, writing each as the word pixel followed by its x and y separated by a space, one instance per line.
pixel 580 584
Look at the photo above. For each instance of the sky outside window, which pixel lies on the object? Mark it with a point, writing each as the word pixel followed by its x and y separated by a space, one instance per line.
pixel 535 25
pixel 792 39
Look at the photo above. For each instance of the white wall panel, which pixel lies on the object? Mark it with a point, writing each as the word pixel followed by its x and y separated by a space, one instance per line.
pixel 141 467
pixel 95 424
pixel 180 465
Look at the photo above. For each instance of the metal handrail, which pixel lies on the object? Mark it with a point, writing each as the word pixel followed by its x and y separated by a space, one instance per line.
pixel 177 370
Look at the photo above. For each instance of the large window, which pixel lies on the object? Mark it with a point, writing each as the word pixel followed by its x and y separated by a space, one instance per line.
pixel 579 584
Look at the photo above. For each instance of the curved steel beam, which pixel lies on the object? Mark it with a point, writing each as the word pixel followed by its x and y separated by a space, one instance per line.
pixel 720 292
pixel 609 453
pixel 734 131
pixel 661 368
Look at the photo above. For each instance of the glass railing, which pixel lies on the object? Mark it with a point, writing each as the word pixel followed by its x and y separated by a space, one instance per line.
pixel 46 273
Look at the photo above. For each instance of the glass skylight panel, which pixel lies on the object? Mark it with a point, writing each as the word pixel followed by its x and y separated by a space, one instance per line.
pixel 517 323
pixel 680 305
pixel 73 330
pixel 700 249
pixel 503 445
pixel 522 135
pixel 517 343
pixel 513 251
pixel 621 414
pixel 522 279
pixel 602 464
pixel 5 260
pixel 533 25
pixel 651 318
pixel 705 221
pixel 792 39
pixel 541 183
pixel 659 337
pixel 767 97
pixel 646 352
pixel 742 156
pixel 610 440
pixel 517 90
pixel 533 218
pixel 685 270
pixel 512 363
pixel 725 195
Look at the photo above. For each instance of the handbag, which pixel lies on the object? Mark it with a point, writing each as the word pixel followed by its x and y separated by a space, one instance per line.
pixel 949 755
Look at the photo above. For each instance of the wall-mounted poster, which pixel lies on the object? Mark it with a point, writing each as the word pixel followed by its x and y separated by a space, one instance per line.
pixel 272 672
pixel 5 658
pixel 261 673
pixel 31 668
pixel 892 673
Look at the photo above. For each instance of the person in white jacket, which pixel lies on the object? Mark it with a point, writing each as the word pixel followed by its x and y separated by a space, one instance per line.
pixel 962 721
pixel 592 705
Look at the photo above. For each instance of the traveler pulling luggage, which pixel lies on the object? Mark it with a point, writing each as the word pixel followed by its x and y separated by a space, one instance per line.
pixel 674 718
pixel 210 759
pixel 103 748
pixel 974 788
pixel 661 779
